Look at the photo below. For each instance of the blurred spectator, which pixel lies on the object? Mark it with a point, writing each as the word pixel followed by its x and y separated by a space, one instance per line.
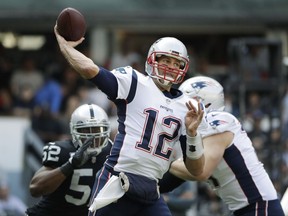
pixel 284 112
pixel 10 205
pixel 125 56
pixel 48 126
pixel 192 62
pixel 230 105
pixel 5 102
pixel 25 82
pixel 262 151
pixel 255 63
pixel 46 117
pixel 6 70
pixel 49 96
pixel 202 66
pixel 259 137
pixel 254 103
pixel 71 104
pixel 275 147
pixel 182 198
pixel 284 165
pixel 96 96
pixel 70 82
pixel 209 204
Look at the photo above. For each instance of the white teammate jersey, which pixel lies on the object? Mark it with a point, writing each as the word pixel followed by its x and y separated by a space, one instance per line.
pixel 150 124
pixel 240 178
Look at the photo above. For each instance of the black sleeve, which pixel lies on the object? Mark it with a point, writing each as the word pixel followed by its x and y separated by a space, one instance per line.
pixel 169 182
pixel 106 82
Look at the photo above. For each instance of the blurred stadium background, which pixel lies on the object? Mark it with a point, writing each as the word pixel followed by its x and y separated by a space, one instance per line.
pixel 243 44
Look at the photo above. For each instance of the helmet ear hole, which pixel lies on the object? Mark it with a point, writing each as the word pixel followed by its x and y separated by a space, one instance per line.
pixel 207 105
pixel 149 60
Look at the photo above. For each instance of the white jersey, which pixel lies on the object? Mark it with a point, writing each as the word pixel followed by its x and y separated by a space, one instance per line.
pixel 240 178
pixel 150 124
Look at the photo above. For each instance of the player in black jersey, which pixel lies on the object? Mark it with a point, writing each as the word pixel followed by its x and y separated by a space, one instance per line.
pixel 69 167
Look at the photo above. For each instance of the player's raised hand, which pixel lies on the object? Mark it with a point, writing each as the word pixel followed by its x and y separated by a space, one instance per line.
pixel 78 159
pixel 81 156
pixel 193 117
pixel 194 148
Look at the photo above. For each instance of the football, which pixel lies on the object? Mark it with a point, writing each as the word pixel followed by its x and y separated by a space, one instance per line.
pixel 71 24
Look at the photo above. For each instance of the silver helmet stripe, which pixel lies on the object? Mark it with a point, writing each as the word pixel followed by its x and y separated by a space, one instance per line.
pixel 92 114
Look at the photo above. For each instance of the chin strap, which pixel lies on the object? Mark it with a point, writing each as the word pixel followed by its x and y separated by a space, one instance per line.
pixel 163 82
pixel 161 85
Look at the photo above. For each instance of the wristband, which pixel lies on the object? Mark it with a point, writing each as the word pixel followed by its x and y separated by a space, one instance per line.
pixel 194 147
pixel 67 168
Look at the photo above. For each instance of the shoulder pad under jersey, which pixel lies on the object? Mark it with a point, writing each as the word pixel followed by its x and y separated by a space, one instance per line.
pixel 220 121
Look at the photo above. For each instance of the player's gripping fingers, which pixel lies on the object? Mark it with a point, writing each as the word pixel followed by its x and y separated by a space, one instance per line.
pixel 61 40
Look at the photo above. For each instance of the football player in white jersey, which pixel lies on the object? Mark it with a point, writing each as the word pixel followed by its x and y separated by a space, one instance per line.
pixel 153 117
pixel 231 167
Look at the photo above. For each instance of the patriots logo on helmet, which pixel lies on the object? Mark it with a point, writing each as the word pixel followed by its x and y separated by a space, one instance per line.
pixel 198 85
pixel 201 84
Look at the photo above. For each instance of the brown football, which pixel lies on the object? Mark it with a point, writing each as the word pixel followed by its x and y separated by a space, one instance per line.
pixel 71 24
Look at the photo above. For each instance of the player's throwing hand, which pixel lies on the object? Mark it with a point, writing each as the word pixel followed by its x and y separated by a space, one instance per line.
pixel 61 40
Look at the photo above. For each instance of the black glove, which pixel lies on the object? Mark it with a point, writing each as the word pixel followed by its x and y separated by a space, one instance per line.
pixel 79 158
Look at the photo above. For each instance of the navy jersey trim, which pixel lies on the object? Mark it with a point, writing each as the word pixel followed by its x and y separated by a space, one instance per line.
pixel 173 93
pixel 115 151
pixel 133 87
pixel 235 161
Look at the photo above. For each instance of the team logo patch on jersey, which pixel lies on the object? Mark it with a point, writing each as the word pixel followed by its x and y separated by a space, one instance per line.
pixel 216 123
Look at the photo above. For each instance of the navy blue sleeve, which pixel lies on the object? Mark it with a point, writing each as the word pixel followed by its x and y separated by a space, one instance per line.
pixel 182 140
pixel 106 82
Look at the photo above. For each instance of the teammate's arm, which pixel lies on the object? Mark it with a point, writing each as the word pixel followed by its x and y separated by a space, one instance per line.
pixel 82 64
pixel 214 147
